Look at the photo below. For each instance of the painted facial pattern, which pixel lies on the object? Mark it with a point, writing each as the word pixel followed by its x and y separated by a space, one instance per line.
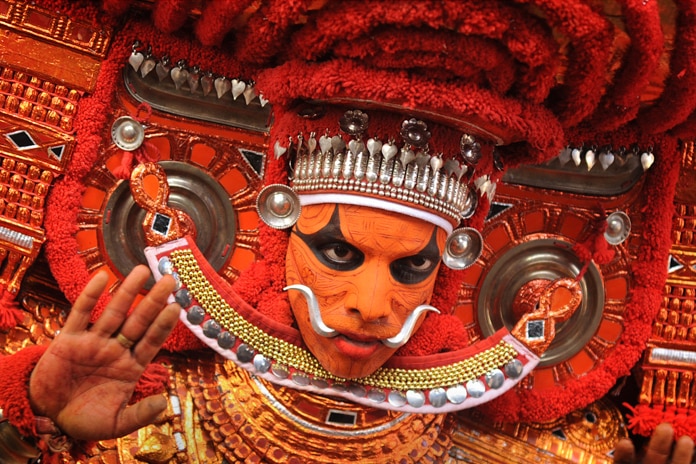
pixel 368 269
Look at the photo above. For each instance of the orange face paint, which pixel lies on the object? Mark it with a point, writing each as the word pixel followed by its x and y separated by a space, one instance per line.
pixel 369 269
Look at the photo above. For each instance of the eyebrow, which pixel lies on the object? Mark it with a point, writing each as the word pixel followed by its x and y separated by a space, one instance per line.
pixel 331 229
pixel 431 249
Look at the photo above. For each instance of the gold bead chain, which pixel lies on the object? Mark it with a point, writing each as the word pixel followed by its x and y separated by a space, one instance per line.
pixel 299 358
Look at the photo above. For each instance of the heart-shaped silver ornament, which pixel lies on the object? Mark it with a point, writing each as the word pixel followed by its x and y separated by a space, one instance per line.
pixel 606 159
pixel 646 160
pixel 135 60
pixel 238 88
pixel 374 146
pixel 311 143
pixel 279 150
pixel 389 150
pixel 590 159
pixel 162 69
pixel 407 155
pixel 207 84
pixel 249 94
pixel 179 76
pixel 436 163
pixel 222 86
pixel 324 144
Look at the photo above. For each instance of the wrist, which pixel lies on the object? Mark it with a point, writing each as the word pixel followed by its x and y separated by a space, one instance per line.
pixel 13 447
pixel 46 429
pixel 52 435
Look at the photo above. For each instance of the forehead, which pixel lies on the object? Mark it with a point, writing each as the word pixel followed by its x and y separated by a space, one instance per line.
pixel 362 225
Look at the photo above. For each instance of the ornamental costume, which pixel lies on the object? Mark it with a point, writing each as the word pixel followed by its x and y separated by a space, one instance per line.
pixel 548 141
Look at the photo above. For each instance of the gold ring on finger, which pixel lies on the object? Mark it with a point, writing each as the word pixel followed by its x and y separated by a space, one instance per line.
pixel 124 341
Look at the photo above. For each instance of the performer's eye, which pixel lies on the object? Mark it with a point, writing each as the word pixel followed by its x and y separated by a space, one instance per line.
pixel 340 256
pixel 413 269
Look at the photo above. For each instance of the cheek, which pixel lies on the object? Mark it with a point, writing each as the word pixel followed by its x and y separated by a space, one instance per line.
pixel 410 296
pixel 298 264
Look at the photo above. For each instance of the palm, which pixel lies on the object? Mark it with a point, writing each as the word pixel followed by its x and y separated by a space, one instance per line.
pixel 86 378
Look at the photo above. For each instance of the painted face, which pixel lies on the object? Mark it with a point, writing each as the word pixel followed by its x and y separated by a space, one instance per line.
pixel 369 269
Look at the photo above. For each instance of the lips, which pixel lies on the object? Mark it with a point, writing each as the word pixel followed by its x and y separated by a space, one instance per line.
pixel 355 348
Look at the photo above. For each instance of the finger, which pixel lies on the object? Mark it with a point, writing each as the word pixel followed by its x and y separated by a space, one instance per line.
pixel 148 309
pixel 624 452
pixel 683 451
pixel 79 316
pixel 117 308
pixel 140 414
pixel 156 334
pixel 660 445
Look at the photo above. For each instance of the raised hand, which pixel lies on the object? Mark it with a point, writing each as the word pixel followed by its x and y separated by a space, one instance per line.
pixel 87 375
pixel 661 449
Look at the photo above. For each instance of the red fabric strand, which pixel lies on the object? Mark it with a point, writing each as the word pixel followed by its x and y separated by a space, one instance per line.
pixel 621 100
pixel 170 15
pixel 10 312
pixel 678 100
pixel 217 19
pixel 591 35
pixel 540 132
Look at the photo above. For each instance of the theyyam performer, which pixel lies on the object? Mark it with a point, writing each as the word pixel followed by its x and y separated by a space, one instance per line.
pixel 314 187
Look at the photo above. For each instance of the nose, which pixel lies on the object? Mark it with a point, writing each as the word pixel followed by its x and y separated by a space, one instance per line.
pixel 370 295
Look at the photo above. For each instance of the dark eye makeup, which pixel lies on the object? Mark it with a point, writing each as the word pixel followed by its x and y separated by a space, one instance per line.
pixel 331 249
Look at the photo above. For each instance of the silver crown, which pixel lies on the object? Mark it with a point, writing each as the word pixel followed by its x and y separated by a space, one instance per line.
pixel 407 174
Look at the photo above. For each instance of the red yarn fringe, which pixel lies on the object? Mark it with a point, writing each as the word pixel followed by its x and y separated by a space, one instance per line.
pixel 146 153
pixel 170 15
pixel 643 419
pixel 14 394
pixel 217 20
pixel 10 312
pixel 154 380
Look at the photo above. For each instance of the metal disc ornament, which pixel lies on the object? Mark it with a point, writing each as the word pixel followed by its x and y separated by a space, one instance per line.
pixel 278 206
pixel 463 248
pixel 127 133
pixel 618 228
pixel 470 205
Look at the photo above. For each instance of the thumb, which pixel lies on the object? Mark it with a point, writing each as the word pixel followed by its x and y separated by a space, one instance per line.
pixel 140 414
pixel 624 452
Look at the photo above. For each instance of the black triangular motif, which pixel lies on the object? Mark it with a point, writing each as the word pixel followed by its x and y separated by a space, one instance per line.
pixel 255 160
pixel 559 433
pixel 496 209
pixel 56 152
pixel 674 265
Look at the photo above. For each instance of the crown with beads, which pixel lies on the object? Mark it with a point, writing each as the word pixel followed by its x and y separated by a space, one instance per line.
pixel 402 177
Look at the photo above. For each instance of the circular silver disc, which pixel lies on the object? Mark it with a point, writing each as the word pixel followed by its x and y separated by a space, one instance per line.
pixel 397 398
pixel 495 379
pixel 463 248
pixel 415 398
pixel 127 133
pixel 278 206
pixel 547 259
pixel 618 228
pixel 377 395
pixel 192 191
pixel 456 394
pixel 475 388
pixel 437 397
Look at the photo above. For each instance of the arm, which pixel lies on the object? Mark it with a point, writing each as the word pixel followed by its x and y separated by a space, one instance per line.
pixel 85 378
